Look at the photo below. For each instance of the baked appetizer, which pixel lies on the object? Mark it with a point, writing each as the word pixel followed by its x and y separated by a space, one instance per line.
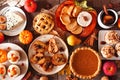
pixel 112 37
pixel 107 51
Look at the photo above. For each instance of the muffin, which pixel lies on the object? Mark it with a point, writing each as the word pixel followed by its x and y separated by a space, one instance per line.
pixel 13 70
pixel 117 48
pixel 107 51
pixel 3 55
pixel 13 56
pixel 2 70
pixel 111 37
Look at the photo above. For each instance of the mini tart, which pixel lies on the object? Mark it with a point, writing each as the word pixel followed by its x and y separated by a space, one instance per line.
pixel 85 63
pixel 112 37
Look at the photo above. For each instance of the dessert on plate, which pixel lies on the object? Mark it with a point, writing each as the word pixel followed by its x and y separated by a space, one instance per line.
pixel 85 63
pixel 2 70
pixel 107 51
pixel 13 70
pixel 117 48
pixel 43 23
pixel 112 37
pixel 3 55
pixel 13 56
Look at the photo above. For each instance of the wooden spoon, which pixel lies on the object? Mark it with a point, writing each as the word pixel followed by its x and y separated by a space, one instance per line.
pixel 107 19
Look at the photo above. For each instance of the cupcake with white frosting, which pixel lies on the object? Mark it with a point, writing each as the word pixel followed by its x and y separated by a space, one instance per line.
pixel 13 70
pixel 112 37
pixel 107 51
pixel 13 56
pixel 2 70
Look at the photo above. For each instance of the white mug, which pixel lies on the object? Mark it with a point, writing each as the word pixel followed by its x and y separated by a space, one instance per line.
pixel 100 22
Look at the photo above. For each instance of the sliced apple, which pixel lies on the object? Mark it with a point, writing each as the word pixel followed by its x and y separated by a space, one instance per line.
pixel 76 11
pixel 65 19
pixel 70 9
pixel 78 30
pixel 64 10
pixel 72 26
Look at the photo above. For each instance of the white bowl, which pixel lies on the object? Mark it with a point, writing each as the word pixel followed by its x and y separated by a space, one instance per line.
pixel 100 20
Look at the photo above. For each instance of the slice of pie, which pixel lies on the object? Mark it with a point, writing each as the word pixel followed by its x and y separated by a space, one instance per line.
pixel 85 63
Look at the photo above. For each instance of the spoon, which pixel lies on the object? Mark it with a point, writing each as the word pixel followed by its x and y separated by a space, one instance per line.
pixel 107 19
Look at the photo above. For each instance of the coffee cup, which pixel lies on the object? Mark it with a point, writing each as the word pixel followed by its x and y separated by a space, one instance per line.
pixel 112 13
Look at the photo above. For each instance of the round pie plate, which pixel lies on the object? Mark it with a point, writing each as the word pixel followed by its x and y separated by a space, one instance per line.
pixel 17 29
pixel 23 63
pixel 60 43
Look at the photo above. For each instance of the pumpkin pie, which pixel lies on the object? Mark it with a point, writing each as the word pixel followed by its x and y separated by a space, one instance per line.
pixel 85 63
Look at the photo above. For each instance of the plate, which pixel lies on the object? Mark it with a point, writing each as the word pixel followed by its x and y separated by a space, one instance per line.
pixel 101 39
pixel 60 43
pixel 23 63
pixel 18 29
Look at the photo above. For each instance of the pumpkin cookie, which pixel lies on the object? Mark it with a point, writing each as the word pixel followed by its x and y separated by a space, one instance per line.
pixel 3 55
pixel 43 23
pixel 58 59
pixel 25 37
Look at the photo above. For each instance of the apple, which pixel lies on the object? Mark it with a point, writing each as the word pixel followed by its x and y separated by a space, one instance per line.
pixel 109 68
pixel 118 22
pixel 30 6
pixel 1 37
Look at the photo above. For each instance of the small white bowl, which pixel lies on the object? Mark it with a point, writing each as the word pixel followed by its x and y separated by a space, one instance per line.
pixel 101 24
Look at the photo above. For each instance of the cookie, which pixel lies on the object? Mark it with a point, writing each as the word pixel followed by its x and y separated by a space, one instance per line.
pixel 58 59
pixel 39 46
pixel 43 23
pixel 47 65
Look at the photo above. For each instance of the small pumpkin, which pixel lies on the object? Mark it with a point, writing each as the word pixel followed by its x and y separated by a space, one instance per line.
pixel 25 37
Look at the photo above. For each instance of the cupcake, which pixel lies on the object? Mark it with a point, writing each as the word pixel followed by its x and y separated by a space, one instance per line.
pixel 117 48
pixel 13 56
pixel 107 51
pixel 111 37
pixel 13 70
pixel 2 70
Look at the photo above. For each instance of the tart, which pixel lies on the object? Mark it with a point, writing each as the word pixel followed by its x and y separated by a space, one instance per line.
pixel 85 63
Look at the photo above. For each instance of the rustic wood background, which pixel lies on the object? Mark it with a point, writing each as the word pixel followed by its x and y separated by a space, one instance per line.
pixel 47 4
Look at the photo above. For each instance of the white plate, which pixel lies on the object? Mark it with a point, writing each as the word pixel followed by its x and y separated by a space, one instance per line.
pixel 60 43
pixel 23 63
pixel 18 29
pixel 101 37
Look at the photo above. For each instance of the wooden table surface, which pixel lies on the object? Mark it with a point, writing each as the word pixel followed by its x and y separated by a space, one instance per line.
pixel 47 4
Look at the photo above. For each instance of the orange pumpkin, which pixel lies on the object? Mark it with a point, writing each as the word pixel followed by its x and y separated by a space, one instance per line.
pixel 25 37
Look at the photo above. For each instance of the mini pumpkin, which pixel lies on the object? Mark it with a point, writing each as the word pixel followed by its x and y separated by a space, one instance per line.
pixel 25 37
